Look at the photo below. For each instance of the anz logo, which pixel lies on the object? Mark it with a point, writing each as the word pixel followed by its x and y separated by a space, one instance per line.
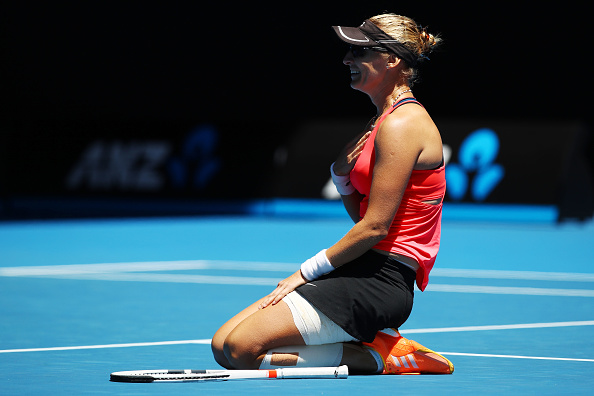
pixel 148 165
pixel 476 172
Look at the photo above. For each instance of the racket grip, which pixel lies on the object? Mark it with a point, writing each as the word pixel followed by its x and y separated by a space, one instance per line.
pixel 313 372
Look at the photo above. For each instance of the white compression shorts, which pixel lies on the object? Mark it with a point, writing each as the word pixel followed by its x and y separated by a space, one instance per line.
pixel 315 327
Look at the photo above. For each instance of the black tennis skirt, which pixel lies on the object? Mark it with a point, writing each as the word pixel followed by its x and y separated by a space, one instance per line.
pixel 371 293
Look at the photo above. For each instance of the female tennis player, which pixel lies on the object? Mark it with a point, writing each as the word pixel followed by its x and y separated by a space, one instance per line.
pixel 345 304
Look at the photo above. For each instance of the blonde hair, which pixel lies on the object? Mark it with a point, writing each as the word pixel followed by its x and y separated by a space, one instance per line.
pixel 412 36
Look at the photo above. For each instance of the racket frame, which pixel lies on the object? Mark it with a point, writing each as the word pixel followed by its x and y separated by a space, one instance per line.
pixel 225 375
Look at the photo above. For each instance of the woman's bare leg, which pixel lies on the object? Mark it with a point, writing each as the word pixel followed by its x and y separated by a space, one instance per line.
pixel 258 330
pixel 242 342
pixel 218 340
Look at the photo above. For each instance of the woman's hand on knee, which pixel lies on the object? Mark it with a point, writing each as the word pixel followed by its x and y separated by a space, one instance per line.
pixel 283 288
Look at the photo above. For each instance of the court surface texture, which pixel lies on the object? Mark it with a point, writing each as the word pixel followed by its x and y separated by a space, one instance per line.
pixel 510 302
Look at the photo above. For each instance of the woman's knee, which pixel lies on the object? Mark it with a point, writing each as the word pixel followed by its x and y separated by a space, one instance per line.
pixel 240 353
pixel 217 345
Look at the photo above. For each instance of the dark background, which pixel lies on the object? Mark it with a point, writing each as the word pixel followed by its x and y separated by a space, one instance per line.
pixel 273 60
pixel 77 71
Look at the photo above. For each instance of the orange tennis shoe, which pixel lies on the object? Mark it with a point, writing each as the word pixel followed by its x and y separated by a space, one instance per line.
pixel 403 356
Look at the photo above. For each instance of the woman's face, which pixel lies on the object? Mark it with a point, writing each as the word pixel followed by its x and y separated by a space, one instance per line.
pixel 368 68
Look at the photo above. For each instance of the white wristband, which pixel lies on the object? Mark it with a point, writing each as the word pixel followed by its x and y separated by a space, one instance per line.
pixel 343 183
pixel 316 266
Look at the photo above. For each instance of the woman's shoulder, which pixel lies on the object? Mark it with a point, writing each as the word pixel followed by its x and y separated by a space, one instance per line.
pixel 407 122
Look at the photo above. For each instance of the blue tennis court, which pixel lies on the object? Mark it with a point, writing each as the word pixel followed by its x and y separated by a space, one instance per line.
pixel 511 302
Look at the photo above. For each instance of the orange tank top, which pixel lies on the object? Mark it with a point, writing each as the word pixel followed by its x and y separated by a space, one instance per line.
pixel 416 229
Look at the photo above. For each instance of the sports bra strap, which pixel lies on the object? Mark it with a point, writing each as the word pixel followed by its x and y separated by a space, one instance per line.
pixel 405 101
pixel 394 107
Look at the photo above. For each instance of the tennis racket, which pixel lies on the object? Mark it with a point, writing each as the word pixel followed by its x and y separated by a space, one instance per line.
pixel 225 375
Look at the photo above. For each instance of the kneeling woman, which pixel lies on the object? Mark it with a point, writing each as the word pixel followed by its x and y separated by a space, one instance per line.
pixel 345 304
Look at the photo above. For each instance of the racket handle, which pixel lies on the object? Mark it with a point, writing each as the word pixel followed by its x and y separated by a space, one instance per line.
pixel 312 372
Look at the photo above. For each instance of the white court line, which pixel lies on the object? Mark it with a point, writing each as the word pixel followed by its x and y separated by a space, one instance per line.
pixel 253 281
pixel 136 272
pixel 527 291
pixel 499 327
pixel 519 275
pixel 107 346
pixel 514 356
pixel 225 265
pixel 172 278
pixel 409 331
pixel 147 266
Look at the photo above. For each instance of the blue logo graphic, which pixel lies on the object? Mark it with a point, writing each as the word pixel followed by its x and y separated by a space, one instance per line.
pixel 476 168
pixel 198 162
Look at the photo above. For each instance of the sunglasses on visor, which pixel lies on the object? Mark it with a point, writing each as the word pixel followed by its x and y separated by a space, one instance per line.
pixel 359 52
